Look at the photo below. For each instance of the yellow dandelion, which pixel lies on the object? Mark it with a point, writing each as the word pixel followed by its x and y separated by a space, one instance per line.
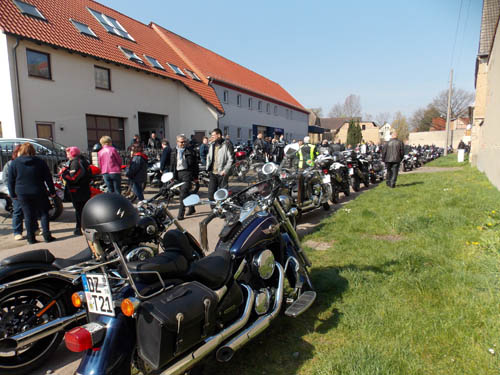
pixel 475 243
pixel 489 224
pixel 493 212
pixel 467 242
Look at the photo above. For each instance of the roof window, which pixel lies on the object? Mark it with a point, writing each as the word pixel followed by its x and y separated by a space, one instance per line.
pixel 82 28
pixel 154 62
pixel 193 75
pixel 176 69
pixel 111 25
pixel 131 55
pixel 29 9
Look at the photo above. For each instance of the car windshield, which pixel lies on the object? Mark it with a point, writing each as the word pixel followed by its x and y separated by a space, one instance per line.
pixel 51 145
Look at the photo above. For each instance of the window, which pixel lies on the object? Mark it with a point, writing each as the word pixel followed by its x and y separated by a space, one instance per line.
pixel 226 131
pixel 193 75
pixel 259 106
pixel 249 103
pixel 82 28
pixel 154 62
pixel 249 134
pixel 111 25
pixel 102 78
pixel 97 126
pixel 226 96
pixel 286 113
pixel 363 127
pixel 38 64
pixel 238 133
pixel 276 110
pixel 29 10
pixel 291 115
pixel 176 69
pixel 268 108
pixel 131 55
pixel 238 100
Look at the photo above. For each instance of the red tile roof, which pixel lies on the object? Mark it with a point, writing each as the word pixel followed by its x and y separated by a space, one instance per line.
pixel 438 123
pixel 151 40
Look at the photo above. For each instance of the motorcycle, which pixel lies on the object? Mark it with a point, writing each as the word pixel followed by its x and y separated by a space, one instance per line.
pixel 376 167
pixel 338 175
pixel 166 314
pixel 358 169
pixel 407 163
pixel 154 173
pixel 241 165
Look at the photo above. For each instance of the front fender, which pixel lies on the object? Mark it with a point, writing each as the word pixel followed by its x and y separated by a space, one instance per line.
pixel 295 273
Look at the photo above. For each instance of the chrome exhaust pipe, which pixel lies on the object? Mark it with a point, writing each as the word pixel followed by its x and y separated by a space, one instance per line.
pixel 184 364
pixel 28 337
pixel 226 352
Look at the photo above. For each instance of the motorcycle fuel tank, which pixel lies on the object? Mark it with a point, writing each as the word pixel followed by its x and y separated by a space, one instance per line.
pixel 256 230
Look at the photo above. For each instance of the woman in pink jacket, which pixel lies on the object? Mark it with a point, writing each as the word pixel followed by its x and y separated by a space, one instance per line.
pixel 110 163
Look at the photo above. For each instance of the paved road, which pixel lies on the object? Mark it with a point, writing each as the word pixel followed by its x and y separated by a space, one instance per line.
pixel 64 362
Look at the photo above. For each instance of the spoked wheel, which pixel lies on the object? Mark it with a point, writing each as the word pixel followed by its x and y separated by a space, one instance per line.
pixel 23 309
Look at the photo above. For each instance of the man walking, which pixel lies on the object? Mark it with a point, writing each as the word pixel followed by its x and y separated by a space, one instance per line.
pixel 219 161
pixel 392 155
pixel 184 165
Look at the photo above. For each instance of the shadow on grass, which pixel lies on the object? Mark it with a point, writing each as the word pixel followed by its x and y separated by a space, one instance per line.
pixel 282 348
pixel 410 184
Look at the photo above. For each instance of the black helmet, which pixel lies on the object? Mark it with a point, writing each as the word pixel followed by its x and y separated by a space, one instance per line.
pixel 97 147
pixel 108 213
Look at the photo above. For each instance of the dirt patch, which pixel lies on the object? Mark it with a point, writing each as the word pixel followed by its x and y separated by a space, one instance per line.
pixel 317 245
pixel 388 237
pixel 435 169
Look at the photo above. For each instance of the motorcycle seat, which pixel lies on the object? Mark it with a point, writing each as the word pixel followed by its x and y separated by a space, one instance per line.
pixel 212 270
pixel 82 256
pixel 169 264
pixel 33 256
pixel 176 239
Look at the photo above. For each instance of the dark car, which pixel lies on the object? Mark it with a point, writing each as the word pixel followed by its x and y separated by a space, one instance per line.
pixel 52 152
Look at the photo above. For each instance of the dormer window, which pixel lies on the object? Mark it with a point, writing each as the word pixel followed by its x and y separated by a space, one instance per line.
pixel 176 69
pixel 193 75
pixel 131 55
pixel 29 10
pixel 82 28
pixel 154 62
pixel 111 25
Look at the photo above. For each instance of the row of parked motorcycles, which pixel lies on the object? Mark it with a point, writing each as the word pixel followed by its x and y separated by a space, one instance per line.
pixel 416 158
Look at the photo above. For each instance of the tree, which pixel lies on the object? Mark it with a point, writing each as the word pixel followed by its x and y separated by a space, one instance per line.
pixel 421 120
pixel 353 133
pixel 400 125
pixel 317 111
pixel 382 118
pixel 460 102
pixel 350 108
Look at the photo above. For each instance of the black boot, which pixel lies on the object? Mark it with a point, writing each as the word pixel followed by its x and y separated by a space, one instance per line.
pixel 191 211
pixel 47 237
pixel 180 215
pixel 31 238
pixel 77 232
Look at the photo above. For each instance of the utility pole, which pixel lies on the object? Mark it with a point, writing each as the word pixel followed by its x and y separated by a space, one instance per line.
pixel 448 114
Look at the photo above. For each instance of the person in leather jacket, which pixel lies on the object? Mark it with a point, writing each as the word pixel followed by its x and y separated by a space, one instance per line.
pixel 184 165
pixel 259 147
pixel 392 154
pixel 220 158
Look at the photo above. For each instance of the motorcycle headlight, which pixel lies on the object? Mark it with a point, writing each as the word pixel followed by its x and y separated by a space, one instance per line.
pixel 286 202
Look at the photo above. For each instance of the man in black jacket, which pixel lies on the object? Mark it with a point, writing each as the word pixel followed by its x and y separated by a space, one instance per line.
pixel 392 155
pixel 184 165
pixel 165 156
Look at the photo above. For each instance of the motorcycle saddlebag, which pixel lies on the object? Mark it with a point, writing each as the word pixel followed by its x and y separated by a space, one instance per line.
pixel 175 321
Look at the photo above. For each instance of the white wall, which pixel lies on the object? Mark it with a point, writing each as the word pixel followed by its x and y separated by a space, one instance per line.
pixel 71 94
pixel 241 117
pixel 8 112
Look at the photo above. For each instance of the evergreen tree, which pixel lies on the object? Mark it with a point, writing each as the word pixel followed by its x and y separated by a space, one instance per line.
pixel 359 134
pixel 351 134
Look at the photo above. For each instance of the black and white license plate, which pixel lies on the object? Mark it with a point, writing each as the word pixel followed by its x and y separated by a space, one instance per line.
pixel 351 171
pixel 98 294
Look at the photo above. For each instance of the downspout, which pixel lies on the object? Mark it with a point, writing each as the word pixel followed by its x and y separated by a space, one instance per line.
pixel 219 116
pixel 19 104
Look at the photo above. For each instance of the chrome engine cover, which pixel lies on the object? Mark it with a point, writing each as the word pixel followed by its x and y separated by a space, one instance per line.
pixel 262 301
pixel 140 253
pixel 263 264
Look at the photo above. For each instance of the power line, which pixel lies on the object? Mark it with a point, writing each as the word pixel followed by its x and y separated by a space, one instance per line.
pixel 456 34
pixel 463 36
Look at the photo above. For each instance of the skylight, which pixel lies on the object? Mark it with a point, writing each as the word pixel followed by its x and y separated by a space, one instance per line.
pixel 131 55
pixel 154 62
pixel 111 25
pixel 29 9
pixel 176 69
pixel 84 29
pixel 193 75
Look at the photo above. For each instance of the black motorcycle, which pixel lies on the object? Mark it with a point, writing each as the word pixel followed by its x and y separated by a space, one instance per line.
pixel 337 172
pixel 168 313
pixel 358 169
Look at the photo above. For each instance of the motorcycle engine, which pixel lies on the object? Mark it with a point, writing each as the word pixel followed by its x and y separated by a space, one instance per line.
pixel 140 253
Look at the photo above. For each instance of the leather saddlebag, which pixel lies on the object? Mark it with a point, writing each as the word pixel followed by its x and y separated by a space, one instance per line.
pixel 175 321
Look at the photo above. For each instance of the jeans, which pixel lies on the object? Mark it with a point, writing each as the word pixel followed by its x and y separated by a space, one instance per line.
pixel 17 217
pixel 113 182
pixel 137 189
pixel 32 206
pixel 187 177
pixel 78 213
pixel 216 182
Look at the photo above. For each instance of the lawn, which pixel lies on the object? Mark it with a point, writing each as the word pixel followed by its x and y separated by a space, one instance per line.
pixel 409 284
pixel 449 160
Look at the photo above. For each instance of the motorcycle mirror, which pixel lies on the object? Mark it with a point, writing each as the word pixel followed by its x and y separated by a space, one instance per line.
pixel 166 177
pixel 269 168
pixel 191 200
pixel 221 195
pixel 291 149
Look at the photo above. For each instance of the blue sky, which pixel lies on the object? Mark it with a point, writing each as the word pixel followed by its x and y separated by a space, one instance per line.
pixel 395 54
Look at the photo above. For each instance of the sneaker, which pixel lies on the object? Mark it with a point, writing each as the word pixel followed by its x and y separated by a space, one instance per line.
pixel 38 232
pixel 18 237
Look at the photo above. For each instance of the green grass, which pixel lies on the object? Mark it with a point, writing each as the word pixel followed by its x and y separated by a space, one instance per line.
pixel 449 160
pixel 409 285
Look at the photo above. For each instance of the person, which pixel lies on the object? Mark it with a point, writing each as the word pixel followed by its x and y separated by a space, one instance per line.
pixel 29 178
pixel 392 155
pixel 154 142
pixel 137 172
pixel 110 163
pixel 461 145
pixel 325 147
pixel 306 154
pixel 184 165
pixel 136 140
pixel 77 175
pixel 165 156
pixel 220 158
pixel 277 152
pixel 259 147
pixel 204 151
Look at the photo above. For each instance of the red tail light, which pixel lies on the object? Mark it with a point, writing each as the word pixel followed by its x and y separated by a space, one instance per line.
pixel 325 171
pixel 349 165
pixel 85 337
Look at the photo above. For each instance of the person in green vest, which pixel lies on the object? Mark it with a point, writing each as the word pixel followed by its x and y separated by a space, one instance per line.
pixel 306 154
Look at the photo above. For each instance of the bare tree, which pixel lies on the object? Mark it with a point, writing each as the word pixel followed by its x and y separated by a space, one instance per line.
pixel 337 111
pixel 382 118
pixel 460 102
pixel 367 117
pixel 421 120
pixel 317 111
pixel 400 125
pixel 351 108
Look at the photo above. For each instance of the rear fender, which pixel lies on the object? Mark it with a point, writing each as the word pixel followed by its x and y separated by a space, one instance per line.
pixel 21 270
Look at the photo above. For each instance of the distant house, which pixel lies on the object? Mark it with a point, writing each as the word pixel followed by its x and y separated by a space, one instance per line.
pixel 385 132
pixel 459 123
pixel 438 123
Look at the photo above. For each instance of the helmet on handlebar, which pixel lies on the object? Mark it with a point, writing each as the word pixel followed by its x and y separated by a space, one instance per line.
pixel 108 213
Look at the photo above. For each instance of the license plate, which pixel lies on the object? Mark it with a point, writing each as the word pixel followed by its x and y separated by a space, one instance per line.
pixel 351 171
pixel 98 294
pixel 326 179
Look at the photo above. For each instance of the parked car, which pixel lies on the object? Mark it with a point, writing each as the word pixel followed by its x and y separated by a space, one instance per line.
pixel 52 152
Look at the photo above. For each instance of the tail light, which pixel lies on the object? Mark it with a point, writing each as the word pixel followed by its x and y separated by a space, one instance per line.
pixel 349 165
pixel 85 337
pixel 325 171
